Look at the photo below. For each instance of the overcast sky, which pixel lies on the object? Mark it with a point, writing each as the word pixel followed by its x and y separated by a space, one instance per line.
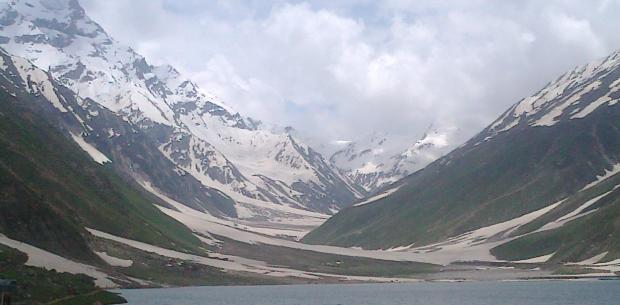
pixel 340 69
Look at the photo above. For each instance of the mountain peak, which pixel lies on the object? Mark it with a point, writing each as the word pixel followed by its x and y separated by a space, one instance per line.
pixel 541 180
pixel 55 16
pixel 573 95
pixel 194 131
pixel 380 158
pixel 169 75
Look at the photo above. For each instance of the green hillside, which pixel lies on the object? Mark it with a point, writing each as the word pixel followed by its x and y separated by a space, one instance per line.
pixel 51 190
pixel 482 184
pixel 596 232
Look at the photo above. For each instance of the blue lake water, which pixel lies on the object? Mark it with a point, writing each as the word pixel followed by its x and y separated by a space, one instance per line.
pixel 425 293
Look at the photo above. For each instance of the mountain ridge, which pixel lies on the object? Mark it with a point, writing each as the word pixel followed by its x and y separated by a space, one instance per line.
pixel 54 187
pixel 381 159
pixel 185 122
pixel 542 150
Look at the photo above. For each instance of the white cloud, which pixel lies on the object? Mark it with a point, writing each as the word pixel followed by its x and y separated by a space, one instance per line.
pixel 339 69
pixel 576 32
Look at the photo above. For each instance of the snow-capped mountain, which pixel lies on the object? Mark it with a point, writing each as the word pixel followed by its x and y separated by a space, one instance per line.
pixel 202 137
pixel 56 181
pixel 380 159
pixel 573 95
pixel 543 180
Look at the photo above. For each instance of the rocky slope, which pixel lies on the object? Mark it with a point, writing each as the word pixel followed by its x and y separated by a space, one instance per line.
pixel 234 166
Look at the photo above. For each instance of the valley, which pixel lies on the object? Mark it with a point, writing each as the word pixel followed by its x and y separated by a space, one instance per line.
pixel 117 173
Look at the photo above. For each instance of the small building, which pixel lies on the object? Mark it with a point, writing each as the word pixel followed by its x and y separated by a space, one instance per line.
pixel 7 288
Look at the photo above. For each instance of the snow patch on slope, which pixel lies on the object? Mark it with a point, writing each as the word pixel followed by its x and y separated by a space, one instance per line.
pixel 40 258
pixel 295 224
pixel 608 173
pixel 226 262
pixel 570 91
pixel 377 197
pixel 37 81
pixel 93 152
pixel 592 260
pixel 537 260
pixel 477 244
pixel 235 263
pixel 114 261
pixel 576 213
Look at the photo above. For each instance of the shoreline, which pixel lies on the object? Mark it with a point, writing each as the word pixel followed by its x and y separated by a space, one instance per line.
pixel 414 281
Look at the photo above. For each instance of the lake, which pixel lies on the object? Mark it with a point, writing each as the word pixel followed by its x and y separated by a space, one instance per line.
pixel 594 292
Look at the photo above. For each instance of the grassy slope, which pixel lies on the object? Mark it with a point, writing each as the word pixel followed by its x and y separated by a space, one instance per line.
pixel 475 186
pixel 580 239
pixel 324 262
pixel 160 270
pixel 40 285
pixel 51 188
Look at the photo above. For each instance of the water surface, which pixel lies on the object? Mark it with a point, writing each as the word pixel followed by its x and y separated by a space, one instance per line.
pixel 473 293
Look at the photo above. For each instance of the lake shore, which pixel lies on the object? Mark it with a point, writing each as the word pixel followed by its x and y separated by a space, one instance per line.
pixel 551 292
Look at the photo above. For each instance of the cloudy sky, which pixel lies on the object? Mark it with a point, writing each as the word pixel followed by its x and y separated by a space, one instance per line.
pixel 341 69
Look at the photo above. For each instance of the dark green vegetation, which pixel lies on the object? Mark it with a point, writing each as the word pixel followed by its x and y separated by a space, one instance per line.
pixel 479 185
pixel 40 285
pixel 499 176
pixel 325 263
pixel 582 238
pixel 51 190
pixel 574 270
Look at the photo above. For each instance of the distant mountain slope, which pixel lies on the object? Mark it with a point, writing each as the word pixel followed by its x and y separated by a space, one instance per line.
pixel 246 169
pixel 66 207
pixel 543 150
pixel 585 225
pixel 381 159
pixel 53 183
